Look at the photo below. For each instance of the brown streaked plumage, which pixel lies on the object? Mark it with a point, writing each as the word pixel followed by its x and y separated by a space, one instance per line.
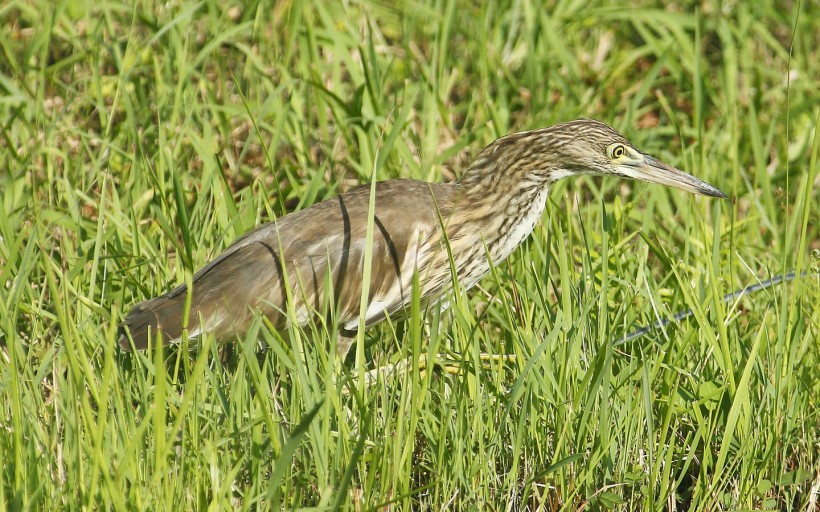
pixel 490 210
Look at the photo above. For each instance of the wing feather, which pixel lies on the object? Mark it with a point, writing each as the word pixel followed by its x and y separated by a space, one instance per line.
pixel 303 250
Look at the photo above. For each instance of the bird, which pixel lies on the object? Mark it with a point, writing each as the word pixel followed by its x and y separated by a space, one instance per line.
pixel 296 268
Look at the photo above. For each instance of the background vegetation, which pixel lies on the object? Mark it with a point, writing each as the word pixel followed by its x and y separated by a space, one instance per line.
pixel 139 139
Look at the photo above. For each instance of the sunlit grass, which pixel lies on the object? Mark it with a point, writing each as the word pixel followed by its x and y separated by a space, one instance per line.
pixel 138 141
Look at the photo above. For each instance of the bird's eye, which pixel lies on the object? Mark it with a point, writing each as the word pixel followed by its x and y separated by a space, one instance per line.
pixel 618 151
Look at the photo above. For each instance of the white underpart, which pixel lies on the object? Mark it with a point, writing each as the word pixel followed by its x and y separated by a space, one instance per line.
pixel 510 239
pixel 374 310
pixel 559 174
pixel 522 229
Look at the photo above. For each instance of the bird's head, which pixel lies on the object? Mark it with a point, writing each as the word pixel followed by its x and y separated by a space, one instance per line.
pixel 587 146
pixel 583 146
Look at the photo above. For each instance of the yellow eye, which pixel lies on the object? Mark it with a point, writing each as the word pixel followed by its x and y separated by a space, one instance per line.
pixel 618 151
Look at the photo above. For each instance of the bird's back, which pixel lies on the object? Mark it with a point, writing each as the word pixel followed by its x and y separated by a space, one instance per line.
pixel 310 252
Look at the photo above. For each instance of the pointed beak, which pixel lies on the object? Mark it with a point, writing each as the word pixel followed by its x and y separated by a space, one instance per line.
pixel 653 170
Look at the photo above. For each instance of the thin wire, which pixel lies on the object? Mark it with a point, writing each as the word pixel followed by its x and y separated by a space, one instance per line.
pixel 729 297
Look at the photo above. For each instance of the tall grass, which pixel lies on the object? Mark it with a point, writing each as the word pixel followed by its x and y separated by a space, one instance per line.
pixel 138 140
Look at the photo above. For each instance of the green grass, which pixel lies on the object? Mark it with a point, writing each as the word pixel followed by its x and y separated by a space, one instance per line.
pixel 138 141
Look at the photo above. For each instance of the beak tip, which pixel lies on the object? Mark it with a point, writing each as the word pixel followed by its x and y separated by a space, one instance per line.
pixel 712 191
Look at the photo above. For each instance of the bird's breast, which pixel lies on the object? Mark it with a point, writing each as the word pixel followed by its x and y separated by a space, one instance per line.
pixel 492 238
pixel 519 219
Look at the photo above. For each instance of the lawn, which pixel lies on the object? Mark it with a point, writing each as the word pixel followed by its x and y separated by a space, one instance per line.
pixel 138 140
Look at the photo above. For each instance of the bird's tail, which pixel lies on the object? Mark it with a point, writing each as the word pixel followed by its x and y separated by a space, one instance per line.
pixel 162 314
